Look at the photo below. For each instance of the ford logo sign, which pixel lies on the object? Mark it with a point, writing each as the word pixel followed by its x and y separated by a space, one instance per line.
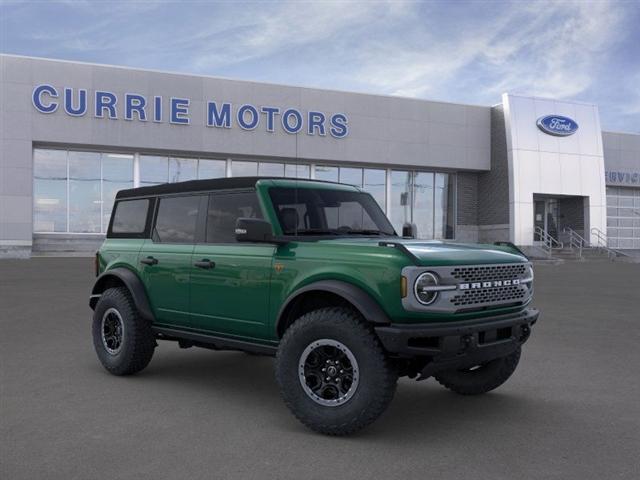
pixel 557 125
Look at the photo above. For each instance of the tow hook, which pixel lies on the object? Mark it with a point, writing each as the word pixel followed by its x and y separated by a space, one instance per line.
pixel 467 342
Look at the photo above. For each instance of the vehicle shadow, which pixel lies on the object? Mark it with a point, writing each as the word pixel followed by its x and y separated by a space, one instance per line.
pixel 418 409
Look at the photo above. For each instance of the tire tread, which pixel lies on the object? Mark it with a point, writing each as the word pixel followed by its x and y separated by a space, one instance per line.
pixel 387 374
pixel 465 383
pixel 141 338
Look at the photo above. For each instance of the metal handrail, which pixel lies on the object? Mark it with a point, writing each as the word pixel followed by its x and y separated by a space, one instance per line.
pixel 603 244
pixel 547 240
pixel 576 240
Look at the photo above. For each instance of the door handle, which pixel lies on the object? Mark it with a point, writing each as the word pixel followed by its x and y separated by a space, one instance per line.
pixel 149 261
pixel 205 263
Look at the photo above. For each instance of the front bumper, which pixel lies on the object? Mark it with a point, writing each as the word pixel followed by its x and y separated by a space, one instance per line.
pixel 454 345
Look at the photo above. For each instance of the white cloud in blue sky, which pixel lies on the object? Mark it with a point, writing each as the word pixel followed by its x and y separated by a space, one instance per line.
pixel 459 51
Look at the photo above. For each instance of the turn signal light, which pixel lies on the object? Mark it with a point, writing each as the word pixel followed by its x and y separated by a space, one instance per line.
pixel 403 286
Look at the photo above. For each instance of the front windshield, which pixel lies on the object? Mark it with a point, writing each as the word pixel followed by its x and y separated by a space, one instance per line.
pixel 321 211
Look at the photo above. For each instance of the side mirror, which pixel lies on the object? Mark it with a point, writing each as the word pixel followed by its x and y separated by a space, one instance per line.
pixel 253 230
pixel 409 230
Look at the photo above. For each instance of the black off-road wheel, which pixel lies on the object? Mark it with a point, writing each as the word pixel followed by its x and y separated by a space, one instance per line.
pixel 333 373
pixel 481 378
pixel 122 339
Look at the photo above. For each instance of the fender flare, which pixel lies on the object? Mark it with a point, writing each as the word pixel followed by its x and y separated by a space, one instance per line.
pixel 361 300
pixel 133 284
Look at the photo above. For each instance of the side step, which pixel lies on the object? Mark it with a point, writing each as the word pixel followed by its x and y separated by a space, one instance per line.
pixel 215 342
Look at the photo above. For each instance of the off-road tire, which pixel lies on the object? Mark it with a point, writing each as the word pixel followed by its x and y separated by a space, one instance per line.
pixel 377 377
pixel 481 380
pixel 138 341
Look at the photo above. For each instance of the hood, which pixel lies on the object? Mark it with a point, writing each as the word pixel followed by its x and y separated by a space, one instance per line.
pixel 436 253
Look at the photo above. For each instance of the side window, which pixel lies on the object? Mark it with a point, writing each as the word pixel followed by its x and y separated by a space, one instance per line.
pixel 225 209
pixel 130 217
pixel 176 219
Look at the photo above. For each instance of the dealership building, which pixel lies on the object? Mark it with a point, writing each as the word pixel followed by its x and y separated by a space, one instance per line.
pixel 73 134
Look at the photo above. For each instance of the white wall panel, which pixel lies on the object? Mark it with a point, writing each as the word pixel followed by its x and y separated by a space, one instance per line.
pixel 551 172
pixel 543 164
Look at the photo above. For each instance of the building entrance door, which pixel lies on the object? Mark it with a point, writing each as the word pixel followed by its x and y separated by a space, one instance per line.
pixel 545 217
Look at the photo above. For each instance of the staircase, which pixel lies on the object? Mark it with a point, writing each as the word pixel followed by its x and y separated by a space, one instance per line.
pixel 574 247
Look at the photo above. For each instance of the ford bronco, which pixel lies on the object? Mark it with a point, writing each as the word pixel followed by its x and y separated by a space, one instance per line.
pixel 314 274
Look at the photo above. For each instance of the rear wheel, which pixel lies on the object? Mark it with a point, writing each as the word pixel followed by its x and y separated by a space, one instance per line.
pixel 332 372
pixel 481 378
pixel 123 340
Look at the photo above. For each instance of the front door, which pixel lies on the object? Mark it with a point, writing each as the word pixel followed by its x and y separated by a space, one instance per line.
pixel 545 217
pixel 165 260
pixel 230 281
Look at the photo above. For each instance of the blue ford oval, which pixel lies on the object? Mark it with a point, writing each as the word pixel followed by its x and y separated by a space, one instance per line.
pixel 557 125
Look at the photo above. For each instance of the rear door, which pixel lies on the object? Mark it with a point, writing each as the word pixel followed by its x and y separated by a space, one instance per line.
pixel 230 281
pixel 165 259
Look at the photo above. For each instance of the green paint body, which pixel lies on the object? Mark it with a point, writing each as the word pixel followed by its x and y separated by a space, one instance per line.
pixel 243 295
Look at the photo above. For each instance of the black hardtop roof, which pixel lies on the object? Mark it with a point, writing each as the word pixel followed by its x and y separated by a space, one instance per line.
pixel 202 185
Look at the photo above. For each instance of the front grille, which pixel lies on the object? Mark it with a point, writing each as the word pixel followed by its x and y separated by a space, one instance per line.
pixel 467 288
pixel 510 294
pixel 489 272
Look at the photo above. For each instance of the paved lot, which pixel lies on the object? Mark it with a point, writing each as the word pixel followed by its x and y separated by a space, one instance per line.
pixel 572 410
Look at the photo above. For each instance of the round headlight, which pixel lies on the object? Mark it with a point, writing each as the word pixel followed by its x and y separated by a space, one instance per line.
pixel 422 288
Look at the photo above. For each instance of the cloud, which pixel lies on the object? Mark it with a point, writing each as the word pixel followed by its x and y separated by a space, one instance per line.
pixel 259 33
pixel 546 49
pixel 463 51
pixel 560 55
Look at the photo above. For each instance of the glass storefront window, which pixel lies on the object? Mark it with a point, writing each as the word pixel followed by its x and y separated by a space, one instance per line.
pixel 375 184
pixel 400 201
pixel 441 202
pixel 85 192
pixel 182 169
pixel 74 191
pixel 271 169
pixel 296 171
pixel 329 174
pixel 153 170
pixel 212 168
pixel 244 169
pixel 423 204
pixel 50 190
pixel 351 176
pixel 117 174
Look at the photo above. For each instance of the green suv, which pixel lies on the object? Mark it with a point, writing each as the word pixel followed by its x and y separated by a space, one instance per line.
pixel 314 274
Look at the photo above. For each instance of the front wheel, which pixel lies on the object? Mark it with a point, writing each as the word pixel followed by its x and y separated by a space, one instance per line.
pixel 481 378
pixel 332 372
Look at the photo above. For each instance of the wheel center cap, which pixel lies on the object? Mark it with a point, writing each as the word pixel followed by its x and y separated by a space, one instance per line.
pixel 331 371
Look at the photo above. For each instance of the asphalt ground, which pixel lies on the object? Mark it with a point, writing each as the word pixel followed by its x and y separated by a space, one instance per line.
pixel 571 410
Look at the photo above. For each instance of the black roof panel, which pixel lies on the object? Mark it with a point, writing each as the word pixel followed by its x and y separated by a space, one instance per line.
pixel 200 186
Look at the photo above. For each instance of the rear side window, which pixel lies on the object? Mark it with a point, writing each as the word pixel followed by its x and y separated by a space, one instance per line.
pixel 225 209
pixel 130 217
pixel 176 220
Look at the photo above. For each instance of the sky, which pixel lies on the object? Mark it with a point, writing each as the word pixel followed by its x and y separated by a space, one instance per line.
pixel 456 51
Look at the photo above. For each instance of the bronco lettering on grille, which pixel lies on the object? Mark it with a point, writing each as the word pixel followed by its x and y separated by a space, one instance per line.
pixel 495 283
